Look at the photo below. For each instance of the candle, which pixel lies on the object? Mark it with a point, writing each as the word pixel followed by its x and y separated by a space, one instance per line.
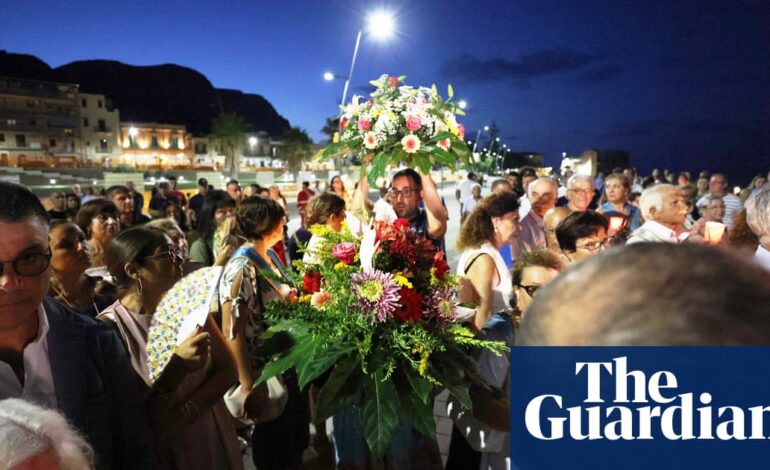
pixel 714 231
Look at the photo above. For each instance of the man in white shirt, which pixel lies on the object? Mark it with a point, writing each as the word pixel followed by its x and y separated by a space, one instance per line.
pixel 580 192
pixel 758 218
pixel 718 187
pixel 463 190
pixel 542 194
pixel 54 357
pixel 664 211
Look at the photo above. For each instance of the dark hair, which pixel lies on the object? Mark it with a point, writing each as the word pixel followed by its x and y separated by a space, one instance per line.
pixel 171 178
pixel 413 175
pixel 497 183
pixel 91 209
pixel 203 182
pixel 132 246
pixel 257 216
pixel 233 181
pixel 542 258
pixel 118 188
pixel 579 225
pixel 214 199
pixel 17 203
pixel 624 180
pixel 478 227
pixel 321 207
pixel 528 171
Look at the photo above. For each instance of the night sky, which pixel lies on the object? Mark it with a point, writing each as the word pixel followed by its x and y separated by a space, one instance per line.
pixel 683 85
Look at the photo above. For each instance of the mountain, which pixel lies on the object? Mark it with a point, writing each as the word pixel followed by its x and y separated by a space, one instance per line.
pixel 166 93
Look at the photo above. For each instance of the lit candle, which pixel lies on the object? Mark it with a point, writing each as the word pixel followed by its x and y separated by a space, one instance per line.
pixel 714 231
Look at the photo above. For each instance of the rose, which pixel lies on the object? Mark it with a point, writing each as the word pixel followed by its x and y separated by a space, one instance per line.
pixel 410 143
pixel 393 82
pixel 343 123
pixel 364 125
pixel 319 299
pixel 411 306
pixel 345 252
pixel 413 123
pixel 440 265
pixel 401 224
pixel 311 282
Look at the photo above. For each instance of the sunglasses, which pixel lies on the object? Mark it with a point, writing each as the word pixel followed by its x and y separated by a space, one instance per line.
pixel 28 265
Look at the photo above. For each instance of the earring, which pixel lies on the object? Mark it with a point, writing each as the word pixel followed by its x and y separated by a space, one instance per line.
pixel 139 286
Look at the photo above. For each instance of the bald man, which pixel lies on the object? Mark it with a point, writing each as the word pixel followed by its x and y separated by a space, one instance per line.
pixel 720 298
pixel 551 219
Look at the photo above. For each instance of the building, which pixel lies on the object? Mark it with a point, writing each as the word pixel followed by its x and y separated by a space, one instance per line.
pixel 99 129
pixel 39 124
pixel 154 146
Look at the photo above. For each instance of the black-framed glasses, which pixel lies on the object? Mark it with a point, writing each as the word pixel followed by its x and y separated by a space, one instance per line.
pixel 28 264
pixel 595 246
pixel 530 290
pixel 174 255
pixel 406 192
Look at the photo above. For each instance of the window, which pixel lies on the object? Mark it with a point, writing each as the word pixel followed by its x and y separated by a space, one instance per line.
pixel 98 103
pixel 83 102
pixel 85 122
pixel 174 142
pixel 52 142
pixel 154 142
pixel 2 137
pixel 21 140
pixel 11 122
pixel 103 147
pixel 102 125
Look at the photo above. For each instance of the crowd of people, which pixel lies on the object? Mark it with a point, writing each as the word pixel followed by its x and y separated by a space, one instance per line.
pixel 82 277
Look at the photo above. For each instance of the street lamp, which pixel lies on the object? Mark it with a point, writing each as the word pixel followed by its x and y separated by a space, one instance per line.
pixel 380 25
pixel 252 143
pixel 478 136
pixel 462 104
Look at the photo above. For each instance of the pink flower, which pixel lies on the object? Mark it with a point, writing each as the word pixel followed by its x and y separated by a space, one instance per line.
pixel 410 143
pixel 461 130
pixel 364 124
pixel 345 252
pixel 343 123
pixel 370 140
pixel 443 144
pixel 319 299
pixel 413 123
pixel 393 82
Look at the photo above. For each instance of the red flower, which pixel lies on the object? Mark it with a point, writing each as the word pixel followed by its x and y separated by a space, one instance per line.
pixel 411 306
pixel 461 130
pixel 343 123
pixel 440 264
pixel 385 232
pixel 345 252
pixel 311 282
pixel 393 82
pixel 364 124
pixel 401 224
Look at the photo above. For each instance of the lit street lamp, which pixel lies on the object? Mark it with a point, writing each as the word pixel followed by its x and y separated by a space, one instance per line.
pixel 462 104
pixel 478 136
pixel 252 143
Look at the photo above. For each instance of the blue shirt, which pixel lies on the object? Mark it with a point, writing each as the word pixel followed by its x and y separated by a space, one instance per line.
pixel 632 212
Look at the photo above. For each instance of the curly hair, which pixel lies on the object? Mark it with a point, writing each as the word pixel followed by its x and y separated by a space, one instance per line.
pixel 542 258
pixel 256 216
pixel 478 228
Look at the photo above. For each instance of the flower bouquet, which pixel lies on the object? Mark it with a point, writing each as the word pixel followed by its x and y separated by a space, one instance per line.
pixel 375 324
pixel 401 124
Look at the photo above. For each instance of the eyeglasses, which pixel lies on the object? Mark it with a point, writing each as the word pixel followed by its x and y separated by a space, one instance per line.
pixel 595 246
pixel 174 255
pixel 530 290
pixel 406 192
pixel 582 192
pixel 29 265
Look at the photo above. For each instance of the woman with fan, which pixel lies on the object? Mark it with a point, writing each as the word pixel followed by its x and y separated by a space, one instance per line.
pixel 185 402
pixel 253 277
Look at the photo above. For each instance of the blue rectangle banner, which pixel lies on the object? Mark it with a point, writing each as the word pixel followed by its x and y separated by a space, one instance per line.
pixel 640 407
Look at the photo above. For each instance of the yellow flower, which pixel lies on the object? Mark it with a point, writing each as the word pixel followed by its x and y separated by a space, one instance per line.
pixel 336 137
pixel 392 116
pixel 375 112
pixel 305 298
pixel 339 266
pixel 402 281
pixel 424 362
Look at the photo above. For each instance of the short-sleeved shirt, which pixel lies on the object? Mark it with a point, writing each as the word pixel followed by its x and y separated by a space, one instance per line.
pixel 420 225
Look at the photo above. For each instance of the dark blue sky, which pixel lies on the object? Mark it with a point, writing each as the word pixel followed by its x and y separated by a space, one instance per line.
pixel 678 84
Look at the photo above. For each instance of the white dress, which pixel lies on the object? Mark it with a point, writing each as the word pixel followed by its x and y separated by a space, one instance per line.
pixel 501 293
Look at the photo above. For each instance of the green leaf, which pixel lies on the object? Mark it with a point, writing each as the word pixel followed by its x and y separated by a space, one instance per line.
pixel 422 388
pixel 444 157
pixel 442 136
pixel 419 414
pixel 315 364
pixel 329 398
pixel 301 348
pixel 434 90
pixel 379 413
pixel 377 168
pixel 460 392
pixel 450 92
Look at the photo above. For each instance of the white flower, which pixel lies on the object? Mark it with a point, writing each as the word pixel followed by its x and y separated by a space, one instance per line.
pixel 410 143
pixel 370 140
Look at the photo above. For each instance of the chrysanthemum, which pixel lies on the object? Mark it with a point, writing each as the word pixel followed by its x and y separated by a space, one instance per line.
pixel 441 306
pixel 376 293
pixel 410 143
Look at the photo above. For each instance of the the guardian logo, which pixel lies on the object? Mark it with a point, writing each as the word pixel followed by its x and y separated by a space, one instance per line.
pixel 639 407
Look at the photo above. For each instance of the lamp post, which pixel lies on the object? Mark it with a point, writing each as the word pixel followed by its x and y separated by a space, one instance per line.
pixel 478 136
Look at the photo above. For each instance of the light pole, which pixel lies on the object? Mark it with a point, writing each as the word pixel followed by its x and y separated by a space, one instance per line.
pixel 379 25
pixel 478 136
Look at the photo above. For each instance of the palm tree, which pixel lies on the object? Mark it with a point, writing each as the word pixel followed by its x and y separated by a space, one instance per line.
pixel 297 148
pixel 331 126
pixel 228 133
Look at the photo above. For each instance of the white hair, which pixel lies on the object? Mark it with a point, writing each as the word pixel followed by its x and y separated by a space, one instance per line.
pixel 653 197
pixel 27 430
pixel 758 213
pixel 575 178
pixel 553 184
